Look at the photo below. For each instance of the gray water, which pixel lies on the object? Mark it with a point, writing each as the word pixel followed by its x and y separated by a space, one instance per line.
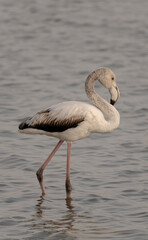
pixel 47 49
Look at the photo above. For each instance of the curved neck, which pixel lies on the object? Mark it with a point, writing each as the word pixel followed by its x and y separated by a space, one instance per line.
pixel 105 107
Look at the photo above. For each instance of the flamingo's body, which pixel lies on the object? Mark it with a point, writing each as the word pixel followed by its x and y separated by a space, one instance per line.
pixel 68 121
pixel 73 120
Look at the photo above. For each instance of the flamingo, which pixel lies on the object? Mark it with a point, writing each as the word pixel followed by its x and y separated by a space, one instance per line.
pixel 74 120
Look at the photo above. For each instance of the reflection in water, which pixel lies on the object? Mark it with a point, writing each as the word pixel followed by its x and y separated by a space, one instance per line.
pixel 69 205
pixel 39 210
pixel 64 225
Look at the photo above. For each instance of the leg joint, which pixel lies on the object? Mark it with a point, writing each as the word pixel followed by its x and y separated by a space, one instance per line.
pixel 39 175
pixel 68 186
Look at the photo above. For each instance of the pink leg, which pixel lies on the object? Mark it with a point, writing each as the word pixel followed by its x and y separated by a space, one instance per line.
pixel 39 173
pixel 68 185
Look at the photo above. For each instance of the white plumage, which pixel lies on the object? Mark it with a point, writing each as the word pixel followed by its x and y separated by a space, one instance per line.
pixel 73 120
pixel 90 120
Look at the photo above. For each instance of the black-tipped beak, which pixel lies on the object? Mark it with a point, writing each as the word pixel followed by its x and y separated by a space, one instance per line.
pixel 114 91
pixel 112 102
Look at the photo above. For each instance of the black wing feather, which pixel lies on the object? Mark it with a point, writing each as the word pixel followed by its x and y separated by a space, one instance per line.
pixel 43 121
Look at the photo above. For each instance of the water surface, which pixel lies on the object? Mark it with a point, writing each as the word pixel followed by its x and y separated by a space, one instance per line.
pixel 47 50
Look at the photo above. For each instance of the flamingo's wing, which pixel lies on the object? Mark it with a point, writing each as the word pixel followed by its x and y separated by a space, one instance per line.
pixel 53 120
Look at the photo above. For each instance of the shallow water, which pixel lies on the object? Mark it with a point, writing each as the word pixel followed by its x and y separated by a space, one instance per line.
pixel 47 50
